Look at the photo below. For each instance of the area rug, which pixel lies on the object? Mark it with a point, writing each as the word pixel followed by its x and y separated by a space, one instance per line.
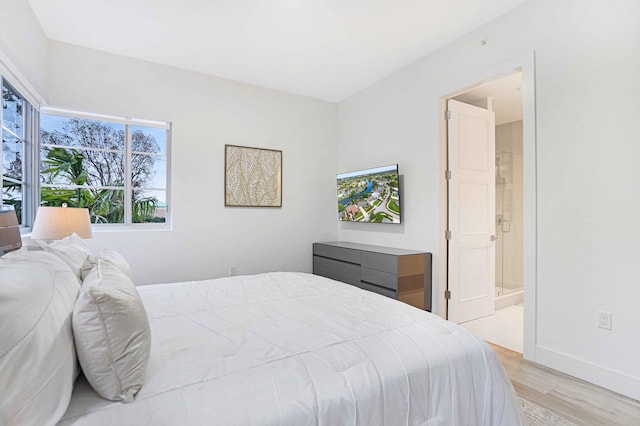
pixel 539 416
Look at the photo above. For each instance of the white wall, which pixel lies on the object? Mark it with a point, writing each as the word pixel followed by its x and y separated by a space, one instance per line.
pixel 23 43
pixel 208 113
pixel 587 86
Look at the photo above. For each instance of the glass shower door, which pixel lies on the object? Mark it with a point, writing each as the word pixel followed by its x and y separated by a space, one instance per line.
pixel 509 247
pixel 502 173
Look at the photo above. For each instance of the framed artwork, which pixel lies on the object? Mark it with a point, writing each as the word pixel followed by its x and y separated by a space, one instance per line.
pixel 252 177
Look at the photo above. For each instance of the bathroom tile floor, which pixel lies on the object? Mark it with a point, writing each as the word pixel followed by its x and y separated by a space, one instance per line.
pixel 504 328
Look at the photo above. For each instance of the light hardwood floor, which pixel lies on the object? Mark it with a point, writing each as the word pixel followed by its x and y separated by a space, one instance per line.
pixel 576 400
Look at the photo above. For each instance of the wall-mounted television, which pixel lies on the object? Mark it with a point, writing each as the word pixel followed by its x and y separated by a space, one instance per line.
pixel 370 195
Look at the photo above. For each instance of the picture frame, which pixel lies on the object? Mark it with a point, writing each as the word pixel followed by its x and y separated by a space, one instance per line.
pixel 252 177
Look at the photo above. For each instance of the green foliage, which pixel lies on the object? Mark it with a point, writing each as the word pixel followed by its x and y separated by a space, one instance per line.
pixel 154 219
pixel 105 205
pixel 376 217
pixel 144 210
pixel 12 193
pixel 393 206
pixel 379 217
pixel 67 163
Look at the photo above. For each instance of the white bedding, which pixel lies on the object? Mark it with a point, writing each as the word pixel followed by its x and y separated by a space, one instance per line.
pixel 299 349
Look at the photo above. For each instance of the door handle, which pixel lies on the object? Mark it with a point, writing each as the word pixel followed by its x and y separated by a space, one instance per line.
pixel 493 238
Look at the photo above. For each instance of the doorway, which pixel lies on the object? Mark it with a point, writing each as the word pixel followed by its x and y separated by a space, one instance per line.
pixel 499 280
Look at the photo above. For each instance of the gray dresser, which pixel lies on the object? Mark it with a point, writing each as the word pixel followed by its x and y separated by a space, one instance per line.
pixel 400 274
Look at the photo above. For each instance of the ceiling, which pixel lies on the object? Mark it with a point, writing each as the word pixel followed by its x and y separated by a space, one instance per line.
pixel 505 94
pixel 326 49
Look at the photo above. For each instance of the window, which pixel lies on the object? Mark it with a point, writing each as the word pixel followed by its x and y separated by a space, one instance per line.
pixel 115 167
pixel 16 118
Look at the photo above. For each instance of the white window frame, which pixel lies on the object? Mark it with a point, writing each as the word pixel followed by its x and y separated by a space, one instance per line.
pixel 128 153
pixel 29 140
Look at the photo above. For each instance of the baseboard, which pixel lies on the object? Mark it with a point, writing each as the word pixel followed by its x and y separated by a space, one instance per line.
pixel 593 373
pixel 509 299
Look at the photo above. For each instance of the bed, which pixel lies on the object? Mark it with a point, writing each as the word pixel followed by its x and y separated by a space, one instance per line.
pixel 298 349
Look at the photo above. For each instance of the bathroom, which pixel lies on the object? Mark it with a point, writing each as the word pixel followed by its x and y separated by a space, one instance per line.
pixel 509 215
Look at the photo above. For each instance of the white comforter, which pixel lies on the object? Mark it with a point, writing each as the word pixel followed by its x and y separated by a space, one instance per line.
pixel 298 349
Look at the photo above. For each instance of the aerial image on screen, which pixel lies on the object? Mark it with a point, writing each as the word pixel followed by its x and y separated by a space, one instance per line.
pixel 370 195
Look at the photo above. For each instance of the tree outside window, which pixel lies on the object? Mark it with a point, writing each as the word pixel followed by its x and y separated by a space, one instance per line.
pixel 13 145
pixel 116 170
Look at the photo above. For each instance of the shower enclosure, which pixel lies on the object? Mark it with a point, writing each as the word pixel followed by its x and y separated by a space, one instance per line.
pixel 509 208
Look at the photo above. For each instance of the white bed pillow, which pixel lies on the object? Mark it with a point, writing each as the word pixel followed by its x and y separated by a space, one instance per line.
pixel 38 363
pixel 72 250
pixel 109 255
pixel 112 334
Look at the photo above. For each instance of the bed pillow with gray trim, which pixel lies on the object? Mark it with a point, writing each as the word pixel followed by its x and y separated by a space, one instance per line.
pixel 112 334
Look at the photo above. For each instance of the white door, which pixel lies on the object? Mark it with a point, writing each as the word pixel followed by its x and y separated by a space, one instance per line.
pixel 471 245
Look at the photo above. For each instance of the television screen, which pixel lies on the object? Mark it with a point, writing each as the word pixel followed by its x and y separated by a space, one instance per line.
pixel 371 195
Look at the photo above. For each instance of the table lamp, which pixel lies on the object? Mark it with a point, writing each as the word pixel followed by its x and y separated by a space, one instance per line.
pixel 55 223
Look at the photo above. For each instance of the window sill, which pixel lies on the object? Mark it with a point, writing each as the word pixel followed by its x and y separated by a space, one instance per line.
pixel 106 228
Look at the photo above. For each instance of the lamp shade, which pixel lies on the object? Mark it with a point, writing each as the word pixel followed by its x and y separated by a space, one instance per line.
pixel 55 223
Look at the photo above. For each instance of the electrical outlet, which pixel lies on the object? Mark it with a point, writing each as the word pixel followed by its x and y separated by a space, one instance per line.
pixel 604 320
pixel 232 271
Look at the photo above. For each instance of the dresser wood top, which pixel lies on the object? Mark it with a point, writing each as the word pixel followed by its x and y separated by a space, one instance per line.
pixel 371 248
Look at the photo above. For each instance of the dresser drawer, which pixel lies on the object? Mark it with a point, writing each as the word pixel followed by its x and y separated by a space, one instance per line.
pixel 338 253
pixel 337 270
pixel 380 262
pixel 380 278
pixel 379 290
